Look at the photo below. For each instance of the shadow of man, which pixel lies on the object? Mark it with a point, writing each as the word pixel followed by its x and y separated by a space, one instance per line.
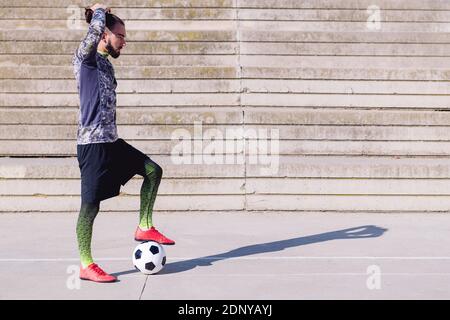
pixel 368 231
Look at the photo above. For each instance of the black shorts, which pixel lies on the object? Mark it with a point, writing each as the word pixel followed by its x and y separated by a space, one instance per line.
pixel 105 167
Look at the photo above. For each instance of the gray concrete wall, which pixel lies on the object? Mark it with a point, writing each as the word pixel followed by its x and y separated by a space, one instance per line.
pixel 360 108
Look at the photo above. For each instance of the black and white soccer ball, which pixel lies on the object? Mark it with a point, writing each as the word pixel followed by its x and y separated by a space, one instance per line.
pixel 149 257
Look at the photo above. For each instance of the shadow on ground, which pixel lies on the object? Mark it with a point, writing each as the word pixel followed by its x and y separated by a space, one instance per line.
pixel 360 232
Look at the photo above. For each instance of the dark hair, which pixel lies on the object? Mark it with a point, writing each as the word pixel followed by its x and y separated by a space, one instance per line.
pixel 111 19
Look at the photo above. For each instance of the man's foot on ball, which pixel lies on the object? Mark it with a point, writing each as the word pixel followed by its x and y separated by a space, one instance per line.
pixel 152 235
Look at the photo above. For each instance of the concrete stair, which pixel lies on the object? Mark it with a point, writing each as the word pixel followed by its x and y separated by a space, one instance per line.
pixel 361 114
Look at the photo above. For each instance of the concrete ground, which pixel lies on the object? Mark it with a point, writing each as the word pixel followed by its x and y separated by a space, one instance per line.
pixel 234 256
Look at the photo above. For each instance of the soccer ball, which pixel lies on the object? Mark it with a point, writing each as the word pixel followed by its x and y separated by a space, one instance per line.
pixel 149 257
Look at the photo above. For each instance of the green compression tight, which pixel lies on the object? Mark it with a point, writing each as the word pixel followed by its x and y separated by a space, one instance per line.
pixel 86 218
pixel 152 177
pixel 152 174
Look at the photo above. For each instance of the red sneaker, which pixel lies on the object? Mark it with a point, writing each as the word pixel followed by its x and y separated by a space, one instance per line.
pixel 152 235
pixel 94 273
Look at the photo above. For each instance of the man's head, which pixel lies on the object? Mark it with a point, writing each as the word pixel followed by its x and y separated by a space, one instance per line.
pixel 113 38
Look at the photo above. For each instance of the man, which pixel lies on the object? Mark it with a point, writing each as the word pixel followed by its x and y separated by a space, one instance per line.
pixel 106 162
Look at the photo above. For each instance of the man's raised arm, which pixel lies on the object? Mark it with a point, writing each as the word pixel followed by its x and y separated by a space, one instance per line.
pixel 96 28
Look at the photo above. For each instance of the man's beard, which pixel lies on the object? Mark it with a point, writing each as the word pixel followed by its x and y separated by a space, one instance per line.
pixel 112 52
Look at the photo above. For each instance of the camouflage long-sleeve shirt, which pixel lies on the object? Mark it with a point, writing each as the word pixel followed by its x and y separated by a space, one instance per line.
pixel 96 87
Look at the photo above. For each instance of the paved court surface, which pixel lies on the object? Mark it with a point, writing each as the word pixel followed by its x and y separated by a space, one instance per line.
pixel 235 256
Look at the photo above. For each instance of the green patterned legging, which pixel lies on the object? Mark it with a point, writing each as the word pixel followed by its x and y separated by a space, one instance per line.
pixel 152 174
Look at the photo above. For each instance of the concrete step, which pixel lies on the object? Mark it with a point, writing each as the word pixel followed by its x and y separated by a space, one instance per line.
pixel 233 116
pixel 132 35
pixel 302 116
pixel 133 116
pixel 156 147
pixel 64 60
pixel 287 36
pixel 67 168
pixel 345 4
pixel 58 47
pixel 156 25
pixel 388 203
pixel 168 186
pixel 289 167
pixel 210 148
pixel 337 73
pixel 205 131
pixel 142 72
pixel 340 100
pixel 308 4
pixel 234 186
pixel 133 132
pixel 120 3
pixel 132 13
pixel 355 36
pixel 393 64
pixel 327 15
pixel 228 72
pixel 336 186
pixel 298 203
pixel 229 25
pixel 336 49
pixel 24 100
pixel 231 13
pixel 343 86
pixel 124 100
pixel 245 48
pixel 358 167
pixel 122 203
pixel 233 86
pixel 130 86
pixel 308 26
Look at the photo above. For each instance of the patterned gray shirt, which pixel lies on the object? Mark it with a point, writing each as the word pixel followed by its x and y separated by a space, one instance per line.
pixel 96 86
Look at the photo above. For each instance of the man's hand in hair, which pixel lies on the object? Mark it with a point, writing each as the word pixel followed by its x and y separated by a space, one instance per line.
pixel 101 6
